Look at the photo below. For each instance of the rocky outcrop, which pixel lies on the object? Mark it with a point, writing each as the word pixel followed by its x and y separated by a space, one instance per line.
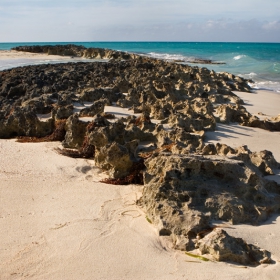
pixel 183 193
pixel 227 113
pixel 187 183
pixel 19 122
pixel 178 96
pixel 223 247
pixel 75 132
pixel 264 161
pixel 69 50
pixel 76 50
pixel 99 53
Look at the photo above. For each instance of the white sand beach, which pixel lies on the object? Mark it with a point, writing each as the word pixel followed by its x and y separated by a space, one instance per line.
pixel 11 58
pixel 57 221
pixel 11 54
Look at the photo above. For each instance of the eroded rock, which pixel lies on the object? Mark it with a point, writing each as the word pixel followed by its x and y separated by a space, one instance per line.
pixel 227 113
pixel 75 132
pixel 24 123
pixel 182 193
pixel 223 247
pixel 115 158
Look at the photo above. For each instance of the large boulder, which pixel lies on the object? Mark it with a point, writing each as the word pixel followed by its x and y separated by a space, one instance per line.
pixel 75 132
pixel 182 193
pixel 115 158
pixel 23 123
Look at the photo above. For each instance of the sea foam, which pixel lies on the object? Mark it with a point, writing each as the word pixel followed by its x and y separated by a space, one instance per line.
pixel 168 56
pixel 239 56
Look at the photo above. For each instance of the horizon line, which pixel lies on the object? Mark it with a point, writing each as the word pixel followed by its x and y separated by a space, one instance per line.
pixel 238 42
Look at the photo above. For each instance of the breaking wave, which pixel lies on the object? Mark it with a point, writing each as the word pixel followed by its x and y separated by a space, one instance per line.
pixel 168 56
pixel 239 56
pixel 267 85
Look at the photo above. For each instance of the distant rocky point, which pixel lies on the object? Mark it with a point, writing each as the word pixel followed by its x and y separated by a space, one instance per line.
pixel 97 53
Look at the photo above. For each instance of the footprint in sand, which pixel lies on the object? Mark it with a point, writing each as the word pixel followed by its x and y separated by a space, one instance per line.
pixel 83 169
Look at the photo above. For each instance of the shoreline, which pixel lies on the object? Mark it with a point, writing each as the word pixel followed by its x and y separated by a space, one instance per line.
pixel 43 58
pixel 60 221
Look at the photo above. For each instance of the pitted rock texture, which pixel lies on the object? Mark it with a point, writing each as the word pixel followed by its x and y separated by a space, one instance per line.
pixel 175 94
pixel 23 122
pixel 182 193
pixel 236 113
pixel 264 160
pixel 223 247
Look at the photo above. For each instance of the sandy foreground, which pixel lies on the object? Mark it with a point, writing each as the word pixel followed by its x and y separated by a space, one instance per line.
pixel 57 221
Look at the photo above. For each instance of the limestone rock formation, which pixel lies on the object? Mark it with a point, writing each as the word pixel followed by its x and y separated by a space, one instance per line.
pixel 223 247
pixel 227 113
pixel 182 193
pixel 20 122
pixel 187 183
pixel 75 132
pixel 115 158
pixel 175 94
pixel 263 160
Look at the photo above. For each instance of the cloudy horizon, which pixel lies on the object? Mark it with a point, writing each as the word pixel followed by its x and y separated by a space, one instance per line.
pixel 131 20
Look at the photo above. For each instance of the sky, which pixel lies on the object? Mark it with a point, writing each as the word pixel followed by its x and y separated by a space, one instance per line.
pixel 142 20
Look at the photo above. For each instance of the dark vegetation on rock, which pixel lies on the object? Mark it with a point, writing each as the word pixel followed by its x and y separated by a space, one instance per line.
pixel 187 183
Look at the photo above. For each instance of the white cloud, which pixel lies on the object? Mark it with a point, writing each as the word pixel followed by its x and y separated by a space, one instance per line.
pixel 42 20
pixel 273 25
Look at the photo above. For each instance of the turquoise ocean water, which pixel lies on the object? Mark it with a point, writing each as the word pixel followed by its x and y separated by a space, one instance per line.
pixel 257 61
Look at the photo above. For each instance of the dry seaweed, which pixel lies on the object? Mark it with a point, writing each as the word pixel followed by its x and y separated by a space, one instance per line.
pixel 108 115
pixel 164 148
pixel 143 119
pixel 57 135
pixel 59 131
pixel 86 151
pixel 90 127
pixel 69 152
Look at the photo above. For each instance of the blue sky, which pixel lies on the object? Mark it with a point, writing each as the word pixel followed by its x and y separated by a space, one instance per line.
pixel 142 20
